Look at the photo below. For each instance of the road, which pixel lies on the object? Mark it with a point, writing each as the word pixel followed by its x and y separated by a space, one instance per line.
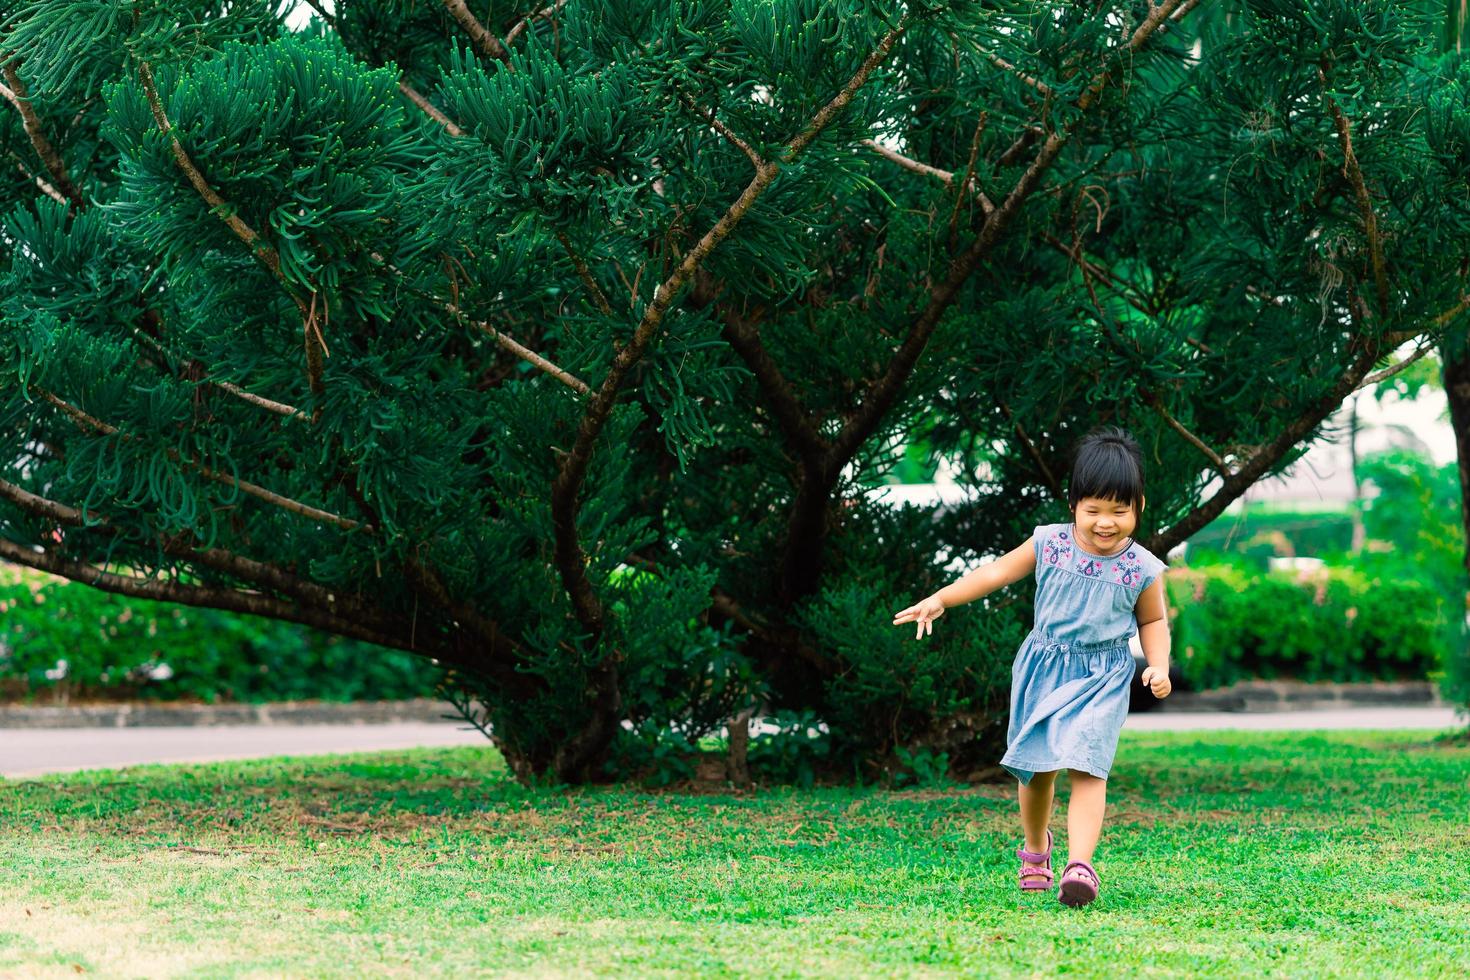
pixel 28 752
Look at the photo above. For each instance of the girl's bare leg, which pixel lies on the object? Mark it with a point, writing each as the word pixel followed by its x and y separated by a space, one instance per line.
pixel 1036 811
pixel 1084 814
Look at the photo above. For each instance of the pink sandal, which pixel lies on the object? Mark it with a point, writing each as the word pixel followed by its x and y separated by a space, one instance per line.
pixel 1036 879
pixel 1079 884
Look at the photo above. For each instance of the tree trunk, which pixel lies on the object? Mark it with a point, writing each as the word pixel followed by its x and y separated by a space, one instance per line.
pixel 1457 389
pixel 1359 533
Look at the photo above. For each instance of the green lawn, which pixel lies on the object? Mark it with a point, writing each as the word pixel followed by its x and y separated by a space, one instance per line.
pixel 1225 854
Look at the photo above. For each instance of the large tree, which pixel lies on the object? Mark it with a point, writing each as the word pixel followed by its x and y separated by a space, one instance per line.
pixel 560 343
pixel 1455 358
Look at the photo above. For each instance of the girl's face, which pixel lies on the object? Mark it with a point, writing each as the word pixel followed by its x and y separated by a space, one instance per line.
pixel 1103 525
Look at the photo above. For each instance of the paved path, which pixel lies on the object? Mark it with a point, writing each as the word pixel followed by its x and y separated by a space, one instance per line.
pixel 1295 720
pixel 33 751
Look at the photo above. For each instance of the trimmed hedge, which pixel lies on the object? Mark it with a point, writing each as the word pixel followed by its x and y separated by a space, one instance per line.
pixel 61 640
pixel 1336 624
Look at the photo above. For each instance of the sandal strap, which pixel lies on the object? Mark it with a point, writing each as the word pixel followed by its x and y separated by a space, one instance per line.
pixel 1035 857
pixel 1033 872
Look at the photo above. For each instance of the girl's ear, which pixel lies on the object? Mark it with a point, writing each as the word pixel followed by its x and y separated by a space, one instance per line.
pixel 1141 501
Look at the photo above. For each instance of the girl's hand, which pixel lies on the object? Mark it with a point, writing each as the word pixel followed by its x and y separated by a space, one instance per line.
pixel 1156 679
pixel 924 613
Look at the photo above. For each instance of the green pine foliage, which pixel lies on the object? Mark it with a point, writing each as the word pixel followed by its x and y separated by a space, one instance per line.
pixel 560 343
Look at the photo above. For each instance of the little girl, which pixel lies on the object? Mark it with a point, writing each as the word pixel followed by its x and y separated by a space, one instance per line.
pixel 1069 682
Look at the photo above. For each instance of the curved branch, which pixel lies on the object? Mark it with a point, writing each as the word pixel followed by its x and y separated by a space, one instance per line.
pixel 1219 464
pixel 1051 481
pixel 714 123
pixel 40 181
pixel 1004 65
pixel 229 600
pixel 257 573
pixel 259 401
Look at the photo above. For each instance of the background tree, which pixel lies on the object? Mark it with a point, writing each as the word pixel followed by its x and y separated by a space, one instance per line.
pixel 1455 356
pixel 559 344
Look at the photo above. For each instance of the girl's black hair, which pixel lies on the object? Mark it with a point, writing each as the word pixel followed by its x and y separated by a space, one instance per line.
pixel 1108 465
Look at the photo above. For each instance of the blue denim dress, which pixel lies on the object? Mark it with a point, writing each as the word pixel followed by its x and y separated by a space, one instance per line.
pixel 1069 683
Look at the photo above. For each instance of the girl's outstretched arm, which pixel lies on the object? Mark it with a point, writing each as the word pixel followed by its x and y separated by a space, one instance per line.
pixel 1153 634
pixel 978 582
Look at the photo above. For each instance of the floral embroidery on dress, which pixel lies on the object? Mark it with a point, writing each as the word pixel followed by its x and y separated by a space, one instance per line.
pixel 1128 570
pixel 1056 552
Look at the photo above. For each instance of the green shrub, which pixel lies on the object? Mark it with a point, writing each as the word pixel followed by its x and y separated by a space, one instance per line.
pixel 64 640
pixel 1229 624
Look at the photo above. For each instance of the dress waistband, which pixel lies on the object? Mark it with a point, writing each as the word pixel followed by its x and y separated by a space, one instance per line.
pixel 1048 642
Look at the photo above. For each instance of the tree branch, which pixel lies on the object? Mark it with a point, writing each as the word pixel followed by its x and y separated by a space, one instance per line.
pixel 1219 464
pixel 1051 481
pixel 229 600
pixel 585 274
pixel 944 176
pixel 1268 455
pixel 49 509
pixel 46 188
pixel 570 559
pixel 257 245
pixel 248 570
pixel 525 22
pixel 315 344
pixel 1378 377
pixel 17 95
pixel 884 391
pixel 432 111
pixel 280 408
pixel 1087 266
pixel 708 116
pixel 801 562
pixel 507 342
pixel 88 422
pixel 1354 175
pixel 270 405
pixel 744 336
pixel 483 40
pixel 1004 65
